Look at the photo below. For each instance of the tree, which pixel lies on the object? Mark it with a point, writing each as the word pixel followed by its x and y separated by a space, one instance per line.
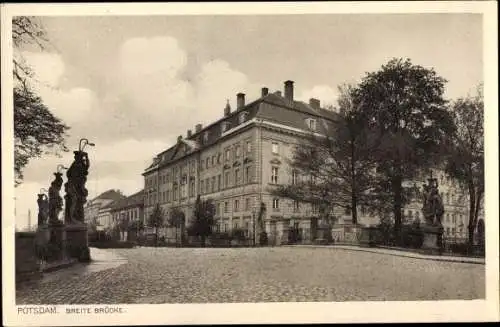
pixel 36 129
pixel 465 160
pixel 177 219
pixel 336 168
pixel 203 222
pixel 157 220
pixel 405 103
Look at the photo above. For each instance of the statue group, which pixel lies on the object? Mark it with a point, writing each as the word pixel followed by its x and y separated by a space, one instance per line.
pixel 50 207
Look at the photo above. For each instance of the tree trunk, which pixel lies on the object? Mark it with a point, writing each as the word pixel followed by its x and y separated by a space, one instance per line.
pixel 354 208
pixel 397 205
pixel 354 200
pixel 472 224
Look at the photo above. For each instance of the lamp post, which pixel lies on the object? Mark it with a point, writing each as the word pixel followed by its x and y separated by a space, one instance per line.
pixel 84 142
pixel 253 225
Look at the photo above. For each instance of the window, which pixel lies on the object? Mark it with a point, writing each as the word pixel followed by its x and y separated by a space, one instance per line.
pixel 294 177
pixel 213 160
pixel 249 147
pixel 296 205
pixel 225 126
pixel 243 117
pixel 205 137
pixel 247 229
pixel 237 151
pixel 247 174
pixel 219 184
pixel 226 179
pixel 274 175
pixel 213 184
pixel 175 192
pixel 202 186
pixel 236 205
pixel 228 155
pixel 410 214
pixel 218 208
pixel 315 208
pixel 311 123
pixel 276 204
pixel 226 207
pixel 247 204
pixel 453 230
pixel 207 163
pixel 235 225
pixel 191 188
pixel 275 148
pixel 207 185
pixel 218 158
pixel 237 177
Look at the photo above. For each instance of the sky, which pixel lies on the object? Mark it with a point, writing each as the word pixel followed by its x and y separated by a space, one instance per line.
pixel 131 85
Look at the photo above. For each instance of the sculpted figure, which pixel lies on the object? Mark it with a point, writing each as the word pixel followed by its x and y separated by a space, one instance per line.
pixel 42 209
pixel 55 200
pixel 433 208
pixel 77 177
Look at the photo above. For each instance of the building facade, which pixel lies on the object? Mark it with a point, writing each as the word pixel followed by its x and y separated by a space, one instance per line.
pixel 92 207
pixel 237 160
pixel 128 209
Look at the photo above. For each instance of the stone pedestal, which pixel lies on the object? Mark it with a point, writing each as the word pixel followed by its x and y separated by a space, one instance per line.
pixel 77 242
pixel 433 239
pixel 57 242
pixel 368 236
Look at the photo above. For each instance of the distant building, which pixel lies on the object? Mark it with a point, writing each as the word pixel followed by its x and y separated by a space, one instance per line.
pixel 92 207
pixel 129 209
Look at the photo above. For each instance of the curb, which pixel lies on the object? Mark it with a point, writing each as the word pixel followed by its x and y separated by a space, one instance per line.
pixel 59 266
pixel 421 257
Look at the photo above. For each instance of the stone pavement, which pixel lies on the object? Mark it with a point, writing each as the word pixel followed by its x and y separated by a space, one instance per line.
pixel 402 253
pixel 271 274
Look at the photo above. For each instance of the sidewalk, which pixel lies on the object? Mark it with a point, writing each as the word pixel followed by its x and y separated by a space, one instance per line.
pixel 400 253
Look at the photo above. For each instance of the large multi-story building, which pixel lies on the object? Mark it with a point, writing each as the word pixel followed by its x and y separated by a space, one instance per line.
pixel 238 159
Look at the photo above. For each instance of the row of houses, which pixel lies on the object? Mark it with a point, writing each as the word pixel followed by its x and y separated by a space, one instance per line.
pixel 111 207
pixel 237 161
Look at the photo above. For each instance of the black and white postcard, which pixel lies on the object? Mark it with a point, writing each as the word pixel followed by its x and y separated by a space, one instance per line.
pixel 227 163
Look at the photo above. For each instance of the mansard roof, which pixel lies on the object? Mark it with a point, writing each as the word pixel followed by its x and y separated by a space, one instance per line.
pixel 272 108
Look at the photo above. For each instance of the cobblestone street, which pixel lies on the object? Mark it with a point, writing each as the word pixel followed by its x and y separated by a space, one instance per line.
pixel 282 274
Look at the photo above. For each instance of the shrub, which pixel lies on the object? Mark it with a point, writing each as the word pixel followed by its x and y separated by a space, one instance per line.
pixel 238 234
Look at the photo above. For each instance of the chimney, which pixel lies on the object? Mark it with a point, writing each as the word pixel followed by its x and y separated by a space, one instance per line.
pixel 264 92
pixel 278 93
pixel 227 109
pixel 240 100
pixel 198 128
pixel 189 134
pixel 314 103
pixel 289 90
pixel 179 138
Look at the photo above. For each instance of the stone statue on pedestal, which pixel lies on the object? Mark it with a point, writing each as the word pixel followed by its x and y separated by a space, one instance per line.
pixel 433 208
pixel 76 191
pixel 433 211
pixel 42 209
pixel 55 200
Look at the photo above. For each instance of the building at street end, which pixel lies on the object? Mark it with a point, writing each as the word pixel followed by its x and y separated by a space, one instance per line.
pixel 238 159
pixel 128 209
pixel 92 209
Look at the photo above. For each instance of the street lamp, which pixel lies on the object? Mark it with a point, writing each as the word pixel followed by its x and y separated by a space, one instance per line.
pixel 253 225
pixel 60 168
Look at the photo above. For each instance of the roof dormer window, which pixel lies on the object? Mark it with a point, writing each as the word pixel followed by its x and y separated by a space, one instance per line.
pixel 205 137
pixel 311 124
pixel 225 126
pixel 243 117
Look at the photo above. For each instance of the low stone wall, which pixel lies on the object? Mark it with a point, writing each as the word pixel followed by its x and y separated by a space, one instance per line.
pixel 27 263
